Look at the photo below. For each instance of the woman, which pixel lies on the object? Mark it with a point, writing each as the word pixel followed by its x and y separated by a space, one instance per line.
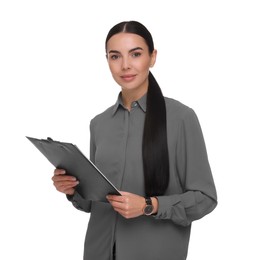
pixel 152 149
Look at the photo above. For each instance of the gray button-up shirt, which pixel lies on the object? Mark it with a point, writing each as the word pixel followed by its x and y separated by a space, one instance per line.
pixel 116 149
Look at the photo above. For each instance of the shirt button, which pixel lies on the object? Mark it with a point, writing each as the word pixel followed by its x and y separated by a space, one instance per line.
pixel 134 104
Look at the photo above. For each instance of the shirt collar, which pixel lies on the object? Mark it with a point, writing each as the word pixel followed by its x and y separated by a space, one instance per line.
pixel 142 102
pixel 119 103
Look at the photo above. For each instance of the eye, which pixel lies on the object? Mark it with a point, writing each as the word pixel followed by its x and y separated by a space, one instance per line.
pixel 136 54
pixel 114 57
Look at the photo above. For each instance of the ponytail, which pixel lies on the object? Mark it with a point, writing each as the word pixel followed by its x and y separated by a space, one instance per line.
pixel 155 147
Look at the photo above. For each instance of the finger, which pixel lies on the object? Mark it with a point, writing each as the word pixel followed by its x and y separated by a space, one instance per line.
pixel 64 186
pixel 124 213
pixel 66 183
pixel 117 205
pixel 124 193
pixel 69 191
pixel 59 171
pixel 115 198
pixel 63 178
pixel 120 211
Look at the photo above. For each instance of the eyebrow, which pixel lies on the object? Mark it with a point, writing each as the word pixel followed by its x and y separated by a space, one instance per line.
pixel 134 49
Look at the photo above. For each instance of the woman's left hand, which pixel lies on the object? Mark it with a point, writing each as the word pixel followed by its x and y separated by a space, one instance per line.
pixel 129 205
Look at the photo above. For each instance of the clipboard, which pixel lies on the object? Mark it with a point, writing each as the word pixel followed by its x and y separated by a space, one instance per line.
pixel 93 184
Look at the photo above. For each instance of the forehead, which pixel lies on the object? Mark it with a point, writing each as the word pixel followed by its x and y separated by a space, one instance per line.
pixel 125 41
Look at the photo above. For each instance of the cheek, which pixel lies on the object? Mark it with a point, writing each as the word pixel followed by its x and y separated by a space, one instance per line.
pixel 115 72
pixel 114 68
pixel 143 66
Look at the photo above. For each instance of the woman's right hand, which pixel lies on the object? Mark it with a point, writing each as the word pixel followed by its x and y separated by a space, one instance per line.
pixel 64 183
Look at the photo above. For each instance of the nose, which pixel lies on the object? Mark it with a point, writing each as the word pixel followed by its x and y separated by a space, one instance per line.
pixel 125 63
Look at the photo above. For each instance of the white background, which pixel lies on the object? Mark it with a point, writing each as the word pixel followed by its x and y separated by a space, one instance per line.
pixel 54 78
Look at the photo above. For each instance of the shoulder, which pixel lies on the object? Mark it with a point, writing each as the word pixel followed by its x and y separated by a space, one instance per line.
pixel 177 109
pixel 103 116
pixel 181 117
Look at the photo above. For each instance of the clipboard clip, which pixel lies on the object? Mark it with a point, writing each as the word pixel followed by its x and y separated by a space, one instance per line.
pixel 50 139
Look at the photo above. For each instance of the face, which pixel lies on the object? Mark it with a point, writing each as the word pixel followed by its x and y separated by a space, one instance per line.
pixel 129 61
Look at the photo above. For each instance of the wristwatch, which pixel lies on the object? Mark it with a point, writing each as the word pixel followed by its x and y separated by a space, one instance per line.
pixel 148 210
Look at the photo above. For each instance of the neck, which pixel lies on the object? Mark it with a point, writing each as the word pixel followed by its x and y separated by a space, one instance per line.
pixel 129 96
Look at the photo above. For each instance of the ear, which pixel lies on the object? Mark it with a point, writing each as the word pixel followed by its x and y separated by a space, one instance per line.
pixel 153 58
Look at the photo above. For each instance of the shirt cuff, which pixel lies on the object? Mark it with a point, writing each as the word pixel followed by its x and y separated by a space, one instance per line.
pixel 165 206
pixel 74 199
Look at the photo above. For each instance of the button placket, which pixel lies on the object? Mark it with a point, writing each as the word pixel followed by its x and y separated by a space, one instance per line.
pixel 126 134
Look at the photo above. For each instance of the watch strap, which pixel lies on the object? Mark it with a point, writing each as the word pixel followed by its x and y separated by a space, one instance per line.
pixel 148 201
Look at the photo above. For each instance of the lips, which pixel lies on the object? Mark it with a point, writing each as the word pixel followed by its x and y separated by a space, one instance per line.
pixel 128 77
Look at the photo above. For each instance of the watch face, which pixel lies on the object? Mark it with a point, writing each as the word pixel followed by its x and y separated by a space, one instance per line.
pixel 148 209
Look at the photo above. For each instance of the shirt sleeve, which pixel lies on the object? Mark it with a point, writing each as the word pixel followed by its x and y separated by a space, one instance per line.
pixel 79 203
pixel 199 193
pixel 77 200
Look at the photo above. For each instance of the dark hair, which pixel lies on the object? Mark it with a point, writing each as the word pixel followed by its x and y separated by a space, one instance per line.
pixel 154 147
